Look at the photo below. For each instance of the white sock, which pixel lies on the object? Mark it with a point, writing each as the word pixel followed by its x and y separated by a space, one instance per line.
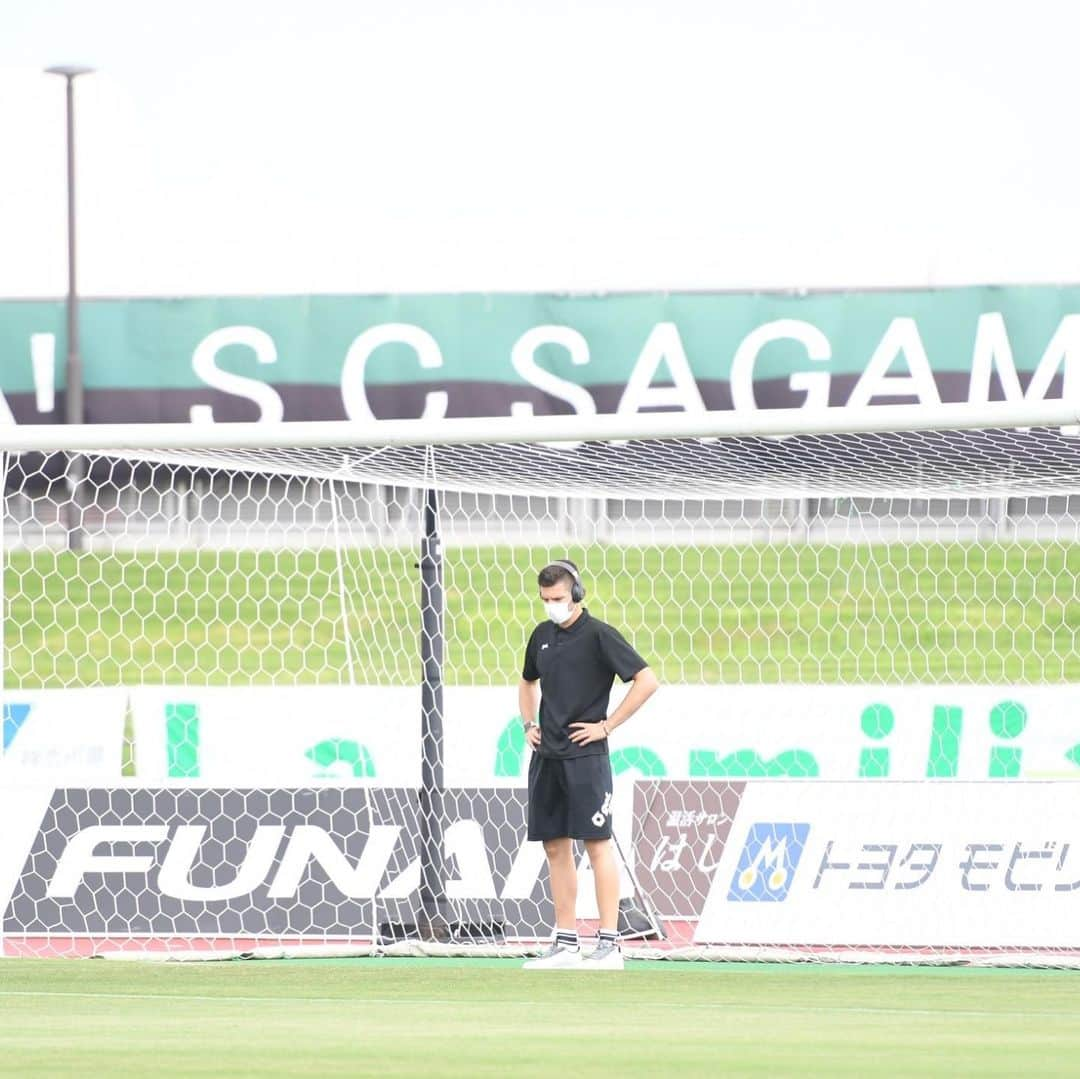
pixel 568 938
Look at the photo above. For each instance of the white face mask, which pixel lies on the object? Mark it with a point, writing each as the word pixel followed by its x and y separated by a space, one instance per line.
pixel 558 612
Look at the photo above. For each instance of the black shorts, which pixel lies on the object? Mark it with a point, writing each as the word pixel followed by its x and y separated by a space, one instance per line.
pixel 570 797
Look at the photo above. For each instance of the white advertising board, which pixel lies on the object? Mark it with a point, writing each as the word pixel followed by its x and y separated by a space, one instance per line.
pixel 314 733
pixel 899 864
pixel 62 736
pixel 362 734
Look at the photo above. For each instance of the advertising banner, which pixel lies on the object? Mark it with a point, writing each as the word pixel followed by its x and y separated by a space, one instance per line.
pixel 364 734
pixel 893 865
pixel 908 865
pixel 370 735
pixel 680 828
pixel 62 736
pixel 213 862
pixel 278 735
pixel 236 358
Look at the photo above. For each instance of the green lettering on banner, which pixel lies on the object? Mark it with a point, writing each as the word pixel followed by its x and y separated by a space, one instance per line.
pixel 943 758
pixel 746 764
pixel 510 750
pixel 182 740
pixel 129 762
pixel 637 758
pixel 1007 720
pixel 877 722
pixel 333 751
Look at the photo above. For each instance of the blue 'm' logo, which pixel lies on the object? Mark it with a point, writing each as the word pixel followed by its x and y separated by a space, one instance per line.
pixel 767 863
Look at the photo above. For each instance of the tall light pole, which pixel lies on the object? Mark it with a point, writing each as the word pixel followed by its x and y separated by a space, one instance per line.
pixel 73 374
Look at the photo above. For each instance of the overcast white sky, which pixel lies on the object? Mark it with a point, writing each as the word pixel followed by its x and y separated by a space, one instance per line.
pixel 255 146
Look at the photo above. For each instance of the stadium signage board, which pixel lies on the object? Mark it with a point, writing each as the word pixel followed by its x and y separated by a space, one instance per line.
pixel 292 736
pixel 236 358
pixel 899 864
pixel 680 830
pixel 941 864
pixel 62 736
pixel 213 862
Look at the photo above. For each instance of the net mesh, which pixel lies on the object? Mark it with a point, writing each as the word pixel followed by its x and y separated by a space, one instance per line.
pixel 927 463
pixel 215 721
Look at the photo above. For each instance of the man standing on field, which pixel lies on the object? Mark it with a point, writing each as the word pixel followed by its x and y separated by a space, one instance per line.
pixel 570 663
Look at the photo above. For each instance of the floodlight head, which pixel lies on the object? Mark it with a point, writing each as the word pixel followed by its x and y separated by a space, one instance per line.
pixel 69 71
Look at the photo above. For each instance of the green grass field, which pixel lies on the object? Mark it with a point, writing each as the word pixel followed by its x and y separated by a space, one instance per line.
pixel 488 1018
pixel 904 612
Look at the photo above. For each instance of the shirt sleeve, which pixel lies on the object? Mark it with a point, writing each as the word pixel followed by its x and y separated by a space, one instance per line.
pixel 618 654
pixel 529 671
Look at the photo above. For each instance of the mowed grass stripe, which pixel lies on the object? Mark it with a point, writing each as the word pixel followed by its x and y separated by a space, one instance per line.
pixel 281 1019
pixel 567 977
pixel 898 612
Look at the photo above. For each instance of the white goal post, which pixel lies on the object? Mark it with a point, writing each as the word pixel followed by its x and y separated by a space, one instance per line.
pixel 257 682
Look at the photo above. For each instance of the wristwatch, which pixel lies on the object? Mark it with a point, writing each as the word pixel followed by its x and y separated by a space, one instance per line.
pixel 529 726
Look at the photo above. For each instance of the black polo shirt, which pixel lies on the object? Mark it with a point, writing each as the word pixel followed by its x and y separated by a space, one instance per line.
pixel 576 667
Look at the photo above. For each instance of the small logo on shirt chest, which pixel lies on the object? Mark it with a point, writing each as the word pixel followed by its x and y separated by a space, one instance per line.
pixel 542 647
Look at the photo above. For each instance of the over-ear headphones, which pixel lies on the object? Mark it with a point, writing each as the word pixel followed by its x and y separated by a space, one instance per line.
pixel 577 589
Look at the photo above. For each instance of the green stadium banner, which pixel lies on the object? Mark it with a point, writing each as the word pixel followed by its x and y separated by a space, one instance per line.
pixel 396 356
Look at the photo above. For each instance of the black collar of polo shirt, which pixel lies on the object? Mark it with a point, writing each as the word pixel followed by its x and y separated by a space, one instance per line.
pixel 581 619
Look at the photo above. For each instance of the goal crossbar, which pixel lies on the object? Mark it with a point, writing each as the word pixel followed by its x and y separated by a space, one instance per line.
pixel 510 429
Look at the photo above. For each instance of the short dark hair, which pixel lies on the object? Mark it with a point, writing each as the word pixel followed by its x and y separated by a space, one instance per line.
pixel 553 574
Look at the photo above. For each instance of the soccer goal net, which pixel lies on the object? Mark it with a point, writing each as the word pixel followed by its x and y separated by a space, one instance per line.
pixel 259 683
